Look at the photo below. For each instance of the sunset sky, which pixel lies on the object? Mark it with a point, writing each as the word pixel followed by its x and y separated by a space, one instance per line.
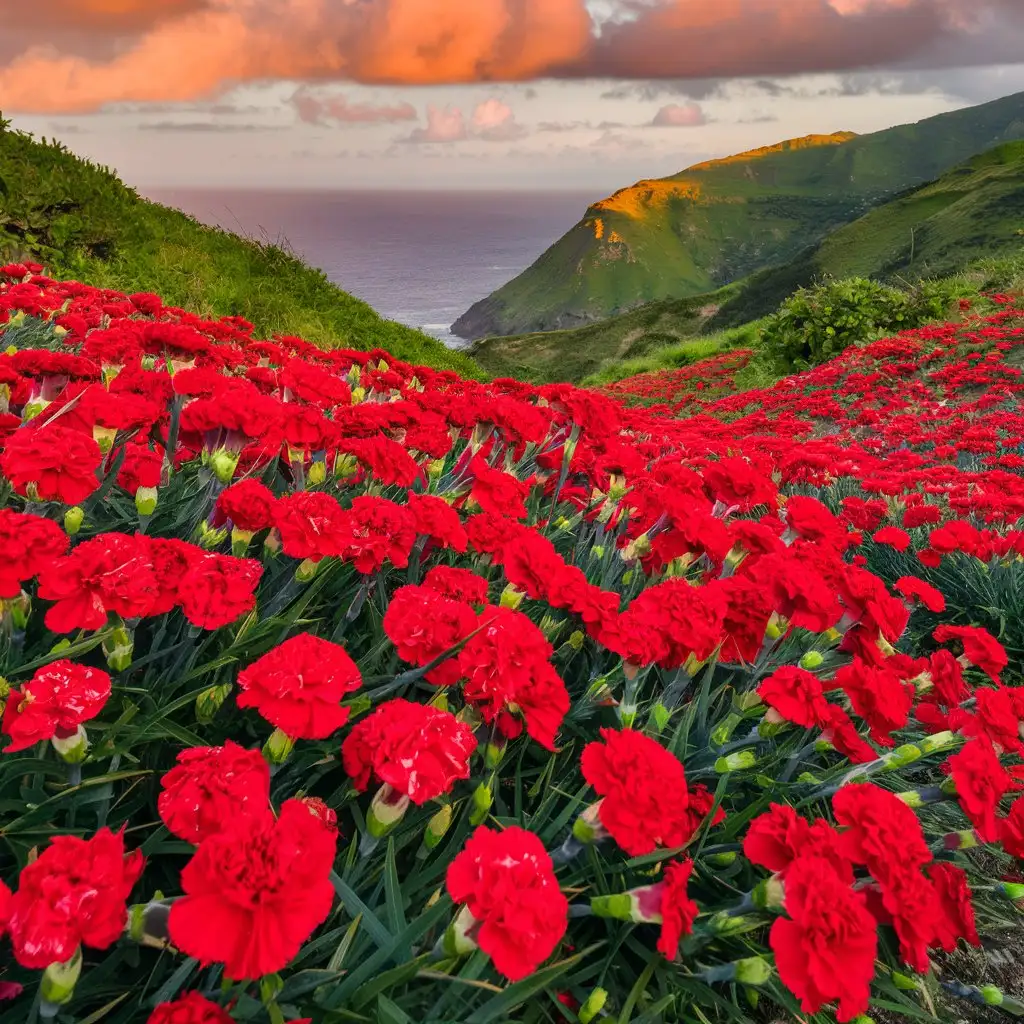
pixel 481 93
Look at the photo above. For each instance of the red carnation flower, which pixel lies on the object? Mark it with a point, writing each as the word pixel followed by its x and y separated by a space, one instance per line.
pixel 170 560
pixel 418 750
pixel 778 837
pixel 981 649
pixel 913 907
pixel 255 891
pixel 110 573
pixel 73 894
pixel 436 519
pixel 1011 830
pixel 457 584
pixel 955 912
pixel 508 884
pixel 248 504
pixel 218 589
pixel 677 910
pixel 826 950
pixel 881 831
pixel 312 525
pixel 645 801
pixel 52 463
pixel 496 491
pixel 981 781
pixel 299 686
pixel 879 696
pixel 54 702
pixel 211 785
pixel 423 625
pixel 894 537
pixel 924 593
pixel 30 544
pixel 376 531
pixel 796 695
pixel 191 1008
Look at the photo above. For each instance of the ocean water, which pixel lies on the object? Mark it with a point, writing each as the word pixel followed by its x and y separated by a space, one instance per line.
pixel 421 258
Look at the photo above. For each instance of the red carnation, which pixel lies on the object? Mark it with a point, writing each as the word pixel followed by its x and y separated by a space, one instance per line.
pixel 54 702
pixel 912 904
pixel 376 531
pixel 30 544
pixel 312 525
pixel 423 625
pixel 778 837
pixel 955 912
pixel 1011 830
pixel 677 909
pixel 894 537
pixel 457 584
pixel 508 884
pixel 436 519
pixel 981 781
pixel 191 1008
pixel 211 785
pixel 299 686
pixel 418 750
pixel 923 593
pixel 110 573
pixel 645 801
pixel 879 696
pixel 881 831
pixel 496 491
pixel 826 950
pixel 255 891
pixel 52 463
pixel 981 649
pixel 796 695
pixel 248 504
pixel 73 894
pixel 218 589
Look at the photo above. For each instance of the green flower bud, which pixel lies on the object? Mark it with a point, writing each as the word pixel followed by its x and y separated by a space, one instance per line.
pixel 939 742
pixel 387 809
pixel 991 995
pixel 435 469
pixel 210 701
pixel 483 798
pixel 736 762
pixel 145 500
pixel 457 941
pixel 811 660
pixel 306 570
pixel 904 982
pixel 437 827
pixel 271 986
pixel 722 732
pixel 753 971
pixel 597 551
pixel 1013 890
pixel 210 538
pixel 58 982
pixel 593 1006
pixel 240 541
pixel 588 828
pixel 73 519
pixel 224 463
pixel 511 597
pixel 576 639
pixel 902 756
pixel 619 906
pixel 118 648
pixel 769 894
pixel 317 471
pixel 72 749
pixel 278 747
pixel 722 860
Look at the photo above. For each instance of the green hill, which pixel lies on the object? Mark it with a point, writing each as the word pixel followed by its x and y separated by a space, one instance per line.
pixel 720 221
pixel 974 210
pixel 81 221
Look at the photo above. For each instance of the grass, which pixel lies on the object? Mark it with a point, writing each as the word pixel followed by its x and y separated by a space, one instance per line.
pixel 717 223
pixel 81 221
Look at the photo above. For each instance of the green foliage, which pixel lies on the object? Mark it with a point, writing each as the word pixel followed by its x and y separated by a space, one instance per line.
pixel 818 323
pixel 81 221
pixel 730 219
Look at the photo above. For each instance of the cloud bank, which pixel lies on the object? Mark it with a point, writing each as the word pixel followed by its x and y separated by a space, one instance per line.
pixel 149 51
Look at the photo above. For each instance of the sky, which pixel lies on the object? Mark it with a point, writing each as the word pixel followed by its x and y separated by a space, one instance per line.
pixel 482 94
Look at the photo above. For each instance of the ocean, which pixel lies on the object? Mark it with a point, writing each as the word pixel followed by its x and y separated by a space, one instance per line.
pixel 421 258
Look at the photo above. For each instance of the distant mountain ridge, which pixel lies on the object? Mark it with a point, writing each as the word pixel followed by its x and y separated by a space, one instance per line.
pixel 721 220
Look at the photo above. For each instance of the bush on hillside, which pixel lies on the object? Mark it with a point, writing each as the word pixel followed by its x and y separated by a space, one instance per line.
pixel 339 689
pixel 817 324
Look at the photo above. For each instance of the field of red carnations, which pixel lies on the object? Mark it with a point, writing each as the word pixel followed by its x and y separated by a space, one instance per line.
pixel 342 690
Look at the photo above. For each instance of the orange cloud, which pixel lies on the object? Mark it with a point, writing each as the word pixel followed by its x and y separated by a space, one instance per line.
pixel 94 15
pixel 196 49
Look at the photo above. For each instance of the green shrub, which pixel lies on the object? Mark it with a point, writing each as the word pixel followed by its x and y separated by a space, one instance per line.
pixel 816 324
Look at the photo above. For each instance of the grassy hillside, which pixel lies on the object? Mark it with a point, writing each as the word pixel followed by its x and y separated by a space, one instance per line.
pixel 719 221
pixel 973 211
pixel 81 221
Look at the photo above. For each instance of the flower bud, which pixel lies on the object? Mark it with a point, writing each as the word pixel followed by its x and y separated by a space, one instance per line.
pixel 240 541
pixel 306 570
pixel 58 983
pixel 811 660
pixel 278 747
pixel 659 717
pixel 588 828
pixel 722 732
pixel 437 827
pixel 593 1006
pixel 387 809
pixel 208 537
pixel 104 437
pixel 576 639
pixel 358 394
pixel 483 798
pixel 769 894
pixel 904 982
pixel 991 995
pixel 72 749
pixel 145 500
pixel 511 597
pixel 1013 890
pixel 73 519
pixel 753 971
pixel 435 469
pixel 494 752
pixel 210 701
pixel 148 923
pixel 722 860
pixel 223 463
pixel 458 940
pixel 271 986
pixel 20 609
pixel 901 757
pixel 317 471
pixel 938 742
pixel 736 762
pixel 118 648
